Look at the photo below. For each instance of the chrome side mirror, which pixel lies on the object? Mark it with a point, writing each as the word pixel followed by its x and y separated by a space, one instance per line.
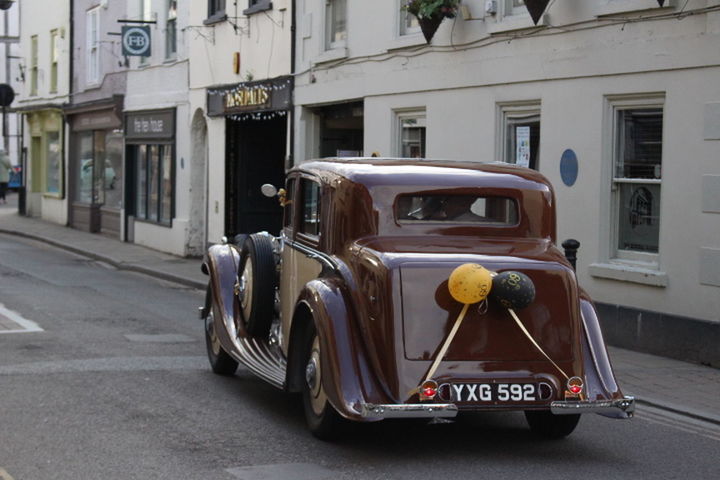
pixel 269 190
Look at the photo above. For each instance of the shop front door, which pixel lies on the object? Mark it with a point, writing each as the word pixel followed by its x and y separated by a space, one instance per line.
pixel 256 152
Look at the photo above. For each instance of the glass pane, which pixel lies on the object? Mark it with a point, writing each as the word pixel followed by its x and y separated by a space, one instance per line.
pixel 413 137
pixel 289 205
pixel 463 209
pixel 409 23
pixel 338 29
pixel 639 143
pixel 311 208
pixel 113 169
pixel 141 182
pixel 167 186
pixel 54 168
pixel 99 167
pixel 639 223
pixel 154 179
pixel 522 141
pixel 84 179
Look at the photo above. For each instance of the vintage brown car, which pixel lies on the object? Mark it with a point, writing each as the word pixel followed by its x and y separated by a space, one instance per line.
pixel 362 301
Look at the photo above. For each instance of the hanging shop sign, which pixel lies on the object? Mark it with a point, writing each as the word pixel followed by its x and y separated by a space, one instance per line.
pixel 156 124
pixel 263 96
pixel 136 41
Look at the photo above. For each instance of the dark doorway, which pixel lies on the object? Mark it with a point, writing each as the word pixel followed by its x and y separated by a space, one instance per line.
pixel 256 151
pixel 342 130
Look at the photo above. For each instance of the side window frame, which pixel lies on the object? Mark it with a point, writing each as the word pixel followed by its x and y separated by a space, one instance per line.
pixel 516 114
pixel 312 239
pixel 290 210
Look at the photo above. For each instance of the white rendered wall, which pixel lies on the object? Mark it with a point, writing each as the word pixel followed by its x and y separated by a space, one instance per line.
pixel 461 81
pixel 263 41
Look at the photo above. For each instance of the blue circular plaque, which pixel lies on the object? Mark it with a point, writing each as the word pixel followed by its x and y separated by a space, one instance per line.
pixel 569 167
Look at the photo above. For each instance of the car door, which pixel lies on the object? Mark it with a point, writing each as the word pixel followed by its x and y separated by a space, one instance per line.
pixel 302 233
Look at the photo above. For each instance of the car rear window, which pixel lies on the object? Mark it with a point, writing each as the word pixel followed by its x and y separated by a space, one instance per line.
pixel 457 209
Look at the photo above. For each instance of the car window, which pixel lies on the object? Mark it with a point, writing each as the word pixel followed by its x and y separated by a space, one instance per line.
pixel 310 207
pixel 457 209
pixel 289 206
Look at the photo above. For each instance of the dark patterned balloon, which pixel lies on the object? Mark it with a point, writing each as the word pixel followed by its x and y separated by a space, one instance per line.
pixel 513 290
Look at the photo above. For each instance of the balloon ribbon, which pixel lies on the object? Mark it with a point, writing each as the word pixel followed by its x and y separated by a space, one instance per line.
pixel 527 334
pixel 446 345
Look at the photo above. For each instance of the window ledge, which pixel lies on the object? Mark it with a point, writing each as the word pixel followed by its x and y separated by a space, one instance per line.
pixel 216 18
pixel 629 273
pixel 516 22
pixel 331 55
pixel 407 40
pixel 614 7
pixel 258 7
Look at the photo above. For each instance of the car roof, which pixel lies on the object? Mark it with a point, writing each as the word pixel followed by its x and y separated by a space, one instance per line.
pixel 372 172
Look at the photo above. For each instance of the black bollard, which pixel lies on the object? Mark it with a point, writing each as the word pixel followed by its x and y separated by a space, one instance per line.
pixel 571 247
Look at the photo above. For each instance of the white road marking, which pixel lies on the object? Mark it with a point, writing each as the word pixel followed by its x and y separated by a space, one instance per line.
pixel 679 422
pixel 4 475
pixel 27 325
pixel 288 471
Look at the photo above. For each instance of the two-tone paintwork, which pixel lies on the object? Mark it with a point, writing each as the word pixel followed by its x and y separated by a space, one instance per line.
pixel 376 288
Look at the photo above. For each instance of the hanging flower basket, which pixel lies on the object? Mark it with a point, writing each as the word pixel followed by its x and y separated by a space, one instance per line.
pixel 431 13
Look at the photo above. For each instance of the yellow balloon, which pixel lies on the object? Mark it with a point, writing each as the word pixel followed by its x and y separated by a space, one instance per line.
pixel 470 283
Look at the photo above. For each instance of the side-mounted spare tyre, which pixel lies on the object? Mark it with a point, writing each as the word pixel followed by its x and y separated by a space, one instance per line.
pixel 258 280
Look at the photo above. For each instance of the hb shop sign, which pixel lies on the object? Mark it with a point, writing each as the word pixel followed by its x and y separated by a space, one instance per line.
pixel 136 41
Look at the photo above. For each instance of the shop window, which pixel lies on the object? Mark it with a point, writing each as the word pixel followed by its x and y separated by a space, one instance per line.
pixel 411 128
pixel 98 177
pixel 520 135
pixel 153 183
pixel 310 208
pixel 636 182
pixel 341 130
pixel 34 65
pixel 171 30
pixel 92 46
pixel 54 56
pixel 216 11
pixel 255 6
pixel 112 165
pixel 53 165
pixel 335 24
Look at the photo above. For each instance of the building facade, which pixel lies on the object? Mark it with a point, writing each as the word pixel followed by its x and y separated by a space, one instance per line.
pixel 10 75
pixel 43 90
pixel 160 167
pixel 241 99
pixel 94 117
pixel 617 102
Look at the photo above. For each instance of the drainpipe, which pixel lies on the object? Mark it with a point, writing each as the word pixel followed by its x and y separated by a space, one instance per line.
pixel 66 124
pixel 291 115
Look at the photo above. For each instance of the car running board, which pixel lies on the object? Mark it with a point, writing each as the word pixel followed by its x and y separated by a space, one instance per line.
pixel 262 359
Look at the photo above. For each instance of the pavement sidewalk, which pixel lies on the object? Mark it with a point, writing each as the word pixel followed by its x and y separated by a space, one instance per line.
pixel 671 385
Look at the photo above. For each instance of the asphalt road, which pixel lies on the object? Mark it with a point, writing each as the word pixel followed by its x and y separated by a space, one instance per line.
pixel 116 386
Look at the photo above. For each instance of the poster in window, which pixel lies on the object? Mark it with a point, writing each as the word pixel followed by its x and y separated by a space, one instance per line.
pixel 522 146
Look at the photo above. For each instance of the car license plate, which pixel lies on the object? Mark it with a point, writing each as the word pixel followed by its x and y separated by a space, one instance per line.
pixel 494 392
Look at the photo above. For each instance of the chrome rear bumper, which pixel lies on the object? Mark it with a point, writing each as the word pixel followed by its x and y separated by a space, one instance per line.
pixel 619 408
pixel 412 410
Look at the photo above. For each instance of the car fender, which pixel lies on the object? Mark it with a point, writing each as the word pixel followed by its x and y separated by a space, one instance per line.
pixel 600 378
pixel 347 380
pixel 222 263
